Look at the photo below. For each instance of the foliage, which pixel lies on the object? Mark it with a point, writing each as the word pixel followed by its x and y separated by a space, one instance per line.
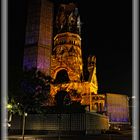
pixel 60 98
pixel 32 91
pixel 36 88
pixel 13 106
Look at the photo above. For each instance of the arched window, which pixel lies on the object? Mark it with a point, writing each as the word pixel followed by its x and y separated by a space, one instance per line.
pixel 101 109
pixel 62 77
pixel 96 106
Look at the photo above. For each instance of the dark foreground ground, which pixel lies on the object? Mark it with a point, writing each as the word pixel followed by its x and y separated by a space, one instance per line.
pixel 103 137
pixel 127 135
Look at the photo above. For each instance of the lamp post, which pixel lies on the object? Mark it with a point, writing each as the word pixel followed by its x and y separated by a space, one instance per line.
pixel 23 126
pixel 10 107
pixel 59 118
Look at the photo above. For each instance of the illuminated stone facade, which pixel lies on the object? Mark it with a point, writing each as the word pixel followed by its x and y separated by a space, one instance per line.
pixel 66 59
pixel 98 103
pixel 63 62
pixel 38 38
pixel 67 56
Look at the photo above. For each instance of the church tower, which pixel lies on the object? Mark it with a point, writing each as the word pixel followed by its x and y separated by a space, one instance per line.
pixel 66 59
pixel 39 35
pixel 66 64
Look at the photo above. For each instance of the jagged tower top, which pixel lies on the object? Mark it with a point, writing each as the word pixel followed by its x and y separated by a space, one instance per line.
pixel 68 19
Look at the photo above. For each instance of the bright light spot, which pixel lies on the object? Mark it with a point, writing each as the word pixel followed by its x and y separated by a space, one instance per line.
pixel 9 106
pixel 133 97
pixel 26 114
pixel 9 125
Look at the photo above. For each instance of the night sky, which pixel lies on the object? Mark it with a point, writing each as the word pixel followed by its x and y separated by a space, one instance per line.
pixel 106 33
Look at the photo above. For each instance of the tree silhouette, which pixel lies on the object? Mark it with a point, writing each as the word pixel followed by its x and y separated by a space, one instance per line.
pixel 62 99
pixel 13 107
pixel 66 103
pixel 36 88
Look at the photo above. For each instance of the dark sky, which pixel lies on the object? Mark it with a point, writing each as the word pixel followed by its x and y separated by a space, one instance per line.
pixel 106 33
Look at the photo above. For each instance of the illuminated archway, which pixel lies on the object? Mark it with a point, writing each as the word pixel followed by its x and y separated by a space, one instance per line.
pixel 62 77
pixel 96 106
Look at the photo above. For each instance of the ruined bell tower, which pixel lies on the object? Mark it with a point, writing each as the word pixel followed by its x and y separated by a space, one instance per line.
pixel 66 59
pixel 67 55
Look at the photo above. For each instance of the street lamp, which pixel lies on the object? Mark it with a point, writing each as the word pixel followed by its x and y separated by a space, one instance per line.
pixel 9 125
pixel 59 118
pixel 23 127
pixel 9 107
